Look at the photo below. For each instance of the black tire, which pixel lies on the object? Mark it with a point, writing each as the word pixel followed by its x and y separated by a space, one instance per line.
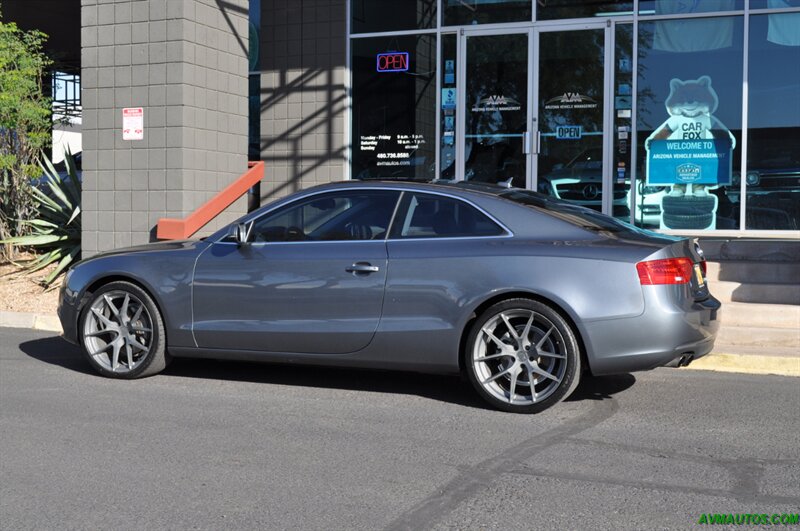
pixel 688 205
pixel 99 325
pixel 679 221
pixel 495 375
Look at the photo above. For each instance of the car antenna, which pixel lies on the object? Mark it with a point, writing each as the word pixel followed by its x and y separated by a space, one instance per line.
pixel 506 183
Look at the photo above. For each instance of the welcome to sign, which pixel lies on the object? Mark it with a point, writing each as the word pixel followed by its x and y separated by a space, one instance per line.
pixel 689 162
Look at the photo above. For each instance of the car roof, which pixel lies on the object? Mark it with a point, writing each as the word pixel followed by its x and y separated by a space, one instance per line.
pixel 433 186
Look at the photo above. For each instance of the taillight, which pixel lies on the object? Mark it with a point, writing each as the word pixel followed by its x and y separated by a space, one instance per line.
pixel 667 271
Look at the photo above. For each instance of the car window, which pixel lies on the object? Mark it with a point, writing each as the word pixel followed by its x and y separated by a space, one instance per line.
pixel 585 218
pixel 347 215
pixel 435 216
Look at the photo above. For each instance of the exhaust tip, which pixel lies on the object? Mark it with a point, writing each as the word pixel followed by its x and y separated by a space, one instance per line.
pixel 681 361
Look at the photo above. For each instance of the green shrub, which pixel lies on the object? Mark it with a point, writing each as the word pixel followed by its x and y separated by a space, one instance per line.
pixel 54 233
pixel 25 125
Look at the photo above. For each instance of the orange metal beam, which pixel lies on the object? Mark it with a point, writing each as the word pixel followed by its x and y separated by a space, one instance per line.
pixel 180 229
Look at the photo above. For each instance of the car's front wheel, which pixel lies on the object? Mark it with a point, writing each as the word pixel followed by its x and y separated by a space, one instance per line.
pixel 122 332
pixel 522 356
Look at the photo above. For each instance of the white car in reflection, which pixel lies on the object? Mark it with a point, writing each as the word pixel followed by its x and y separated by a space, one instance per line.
pixel 580 181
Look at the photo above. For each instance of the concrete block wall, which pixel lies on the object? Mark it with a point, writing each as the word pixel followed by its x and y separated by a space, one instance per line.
pixel 185 63
pixel 303 94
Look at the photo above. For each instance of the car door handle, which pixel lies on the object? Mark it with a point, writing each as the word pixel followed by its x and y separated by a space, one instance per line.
pixel 362 267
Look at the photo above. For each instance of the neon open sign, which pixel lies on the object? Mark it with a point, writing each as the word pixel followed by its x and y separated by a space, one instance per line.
pixel 393 62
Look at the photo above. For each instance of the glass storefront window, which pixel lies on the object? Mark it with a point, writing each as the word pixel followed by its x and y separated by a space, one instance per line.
pixel 394 107
pixel 623 109
pixel 689 122
pixel 688 156
pixel 687 7
pixel 558 9
pixel 773 4
pixel 254 82
pixel 570 115
pixel 496 99
pixel 372 16
pixel 772 181
pixel 464 12
pixel 448 114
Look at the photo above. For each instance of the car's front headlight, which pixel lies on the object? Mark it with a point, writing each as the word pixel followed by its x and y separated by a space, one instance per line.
pixel 753 179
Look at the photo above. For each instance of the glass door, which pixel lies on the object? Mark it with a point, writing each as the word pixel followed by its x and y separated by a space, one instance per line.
pixel 495 90
pixel 571 145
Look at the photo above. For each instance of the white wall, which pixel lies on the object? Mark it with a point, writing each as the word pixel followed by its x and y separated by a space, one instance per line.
pixel 66 135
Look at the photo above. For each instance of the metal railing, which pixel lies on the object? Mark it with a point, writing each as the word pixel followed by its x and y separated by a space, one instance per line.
pixel 248 183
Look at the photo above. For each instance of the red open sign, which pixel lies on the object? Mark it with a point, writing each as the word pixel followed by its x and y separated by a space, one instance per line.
pixel 392 62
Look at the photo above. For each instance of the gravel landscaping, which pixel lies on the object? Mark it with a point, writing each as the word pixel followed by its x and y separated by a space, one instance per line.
pixel 21 292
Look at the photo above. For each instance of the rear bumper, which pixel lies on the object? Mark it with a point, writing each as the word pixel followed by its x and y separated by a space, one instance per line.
pixel 665 332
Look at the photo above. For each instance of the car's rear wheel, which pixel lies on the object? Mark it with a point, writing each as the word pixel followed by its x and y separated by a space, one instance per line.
pixel 522 356
pixel 122 332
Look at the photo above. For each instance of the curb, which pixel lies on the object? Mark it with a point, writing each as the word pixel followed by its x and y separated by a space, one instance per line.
pixel 36 321
pixel 716 361
pixel 748 364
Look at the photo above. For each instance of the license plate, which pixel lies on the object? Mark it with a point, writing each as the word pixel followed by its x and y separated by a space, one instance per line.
pixel 698 274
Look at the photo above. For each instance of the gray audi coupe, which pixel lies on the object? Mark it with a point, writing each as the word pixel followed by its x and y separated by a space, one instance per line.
pixel 522 293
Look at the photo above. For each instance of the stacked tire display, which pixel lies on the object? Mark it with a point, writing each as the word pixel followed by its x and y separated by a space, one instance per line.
pixel 688 211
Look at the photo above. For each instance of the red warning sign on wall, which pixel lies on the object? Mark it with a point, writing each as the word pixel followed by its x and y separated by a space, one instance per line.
pixel 133 123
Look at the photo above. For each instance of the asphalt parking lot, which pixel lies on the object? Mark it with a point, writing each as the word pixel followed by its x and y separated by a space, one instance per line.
pixel 211 445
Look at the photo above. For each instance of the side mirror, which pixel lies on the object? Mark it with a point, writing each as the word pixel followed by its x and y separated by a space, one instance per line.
pixel 240 233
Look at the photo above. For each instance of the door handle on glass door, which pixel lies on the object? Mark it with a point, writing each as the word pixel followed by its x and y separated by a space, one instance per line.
pixel 526 143
pixel 362 267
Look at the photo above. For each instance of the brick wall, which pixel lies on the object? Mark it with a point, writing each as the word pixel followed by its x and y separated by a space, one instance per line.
pixel 185 63
pixel 302 93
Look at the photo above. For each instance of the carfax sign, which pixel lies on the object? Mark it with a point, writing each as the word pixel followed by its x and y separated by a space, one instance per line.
pixel 689 162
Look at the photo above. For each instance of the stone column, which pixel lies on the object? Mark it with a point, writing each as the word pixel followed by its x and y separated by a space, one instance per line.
pixel 185 63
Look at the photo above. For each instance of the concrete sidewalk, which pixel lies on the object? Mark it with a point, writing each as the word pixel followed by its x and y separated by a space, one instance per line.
pixel 747 360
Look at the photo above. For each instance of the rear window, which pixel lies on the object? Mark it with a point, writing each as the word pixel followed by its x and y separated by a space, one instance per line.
pixel 583 217
pixel 434 216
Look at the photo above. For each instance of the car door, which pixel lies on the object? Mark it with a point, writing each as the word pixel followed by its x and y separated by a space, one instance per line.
pixel 310 279
pixel 443 252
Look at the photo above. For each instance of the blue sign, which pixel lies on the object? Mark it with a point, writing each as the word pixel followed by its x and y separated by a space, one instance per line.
pixel 392 62
pixel 449 72
pixel 689 162
pixel 448 98
pixel 568 132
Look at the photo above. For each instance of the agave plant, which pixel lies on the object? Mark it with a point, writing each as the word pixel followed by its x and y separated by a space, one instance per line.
pixel 55 232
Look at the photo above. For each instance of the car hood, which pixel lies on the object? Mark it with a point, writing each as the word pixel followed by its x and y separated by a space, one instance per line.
pixel 156 247
pixel 568 173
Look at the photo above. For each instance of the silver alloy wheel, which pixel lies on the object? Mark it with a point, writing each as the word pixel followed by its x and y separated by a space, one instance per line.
pixel 520 357
pixel 118 331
